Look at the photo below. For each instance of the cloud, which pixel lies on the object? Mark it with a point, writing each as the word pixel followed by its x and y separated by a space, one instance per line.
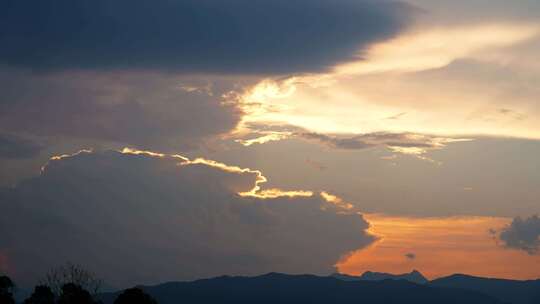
pixel 512 113
pixel 522 234
pixel 347 143
pixel 16 147
pixel 404 143
pixel 410 256
pixel 397 116
pixel 241 36
pixel 315 164
pixel 148 110
pixel 140 217
pixel 475 12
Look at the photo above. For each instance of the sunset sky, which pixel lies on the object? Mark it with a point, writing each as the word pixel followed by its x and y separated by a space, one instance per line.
pixel 178 139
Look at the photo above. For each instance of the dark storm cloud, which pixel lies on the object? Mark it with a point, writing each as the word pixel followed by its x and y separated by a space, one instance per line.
pixel 16 147
pixel 239 36
pixel 523 234
pixel 143 109
pixel 140 219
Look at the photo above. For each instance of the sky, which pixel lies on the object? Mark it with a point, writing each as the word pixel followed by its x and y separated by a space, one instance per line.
pixel 154 141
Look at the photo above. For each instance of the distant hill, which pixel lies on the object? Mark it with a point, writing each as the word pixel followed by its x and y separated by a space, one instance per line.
pixel 511 291
pixel 414 276
pixel 284 289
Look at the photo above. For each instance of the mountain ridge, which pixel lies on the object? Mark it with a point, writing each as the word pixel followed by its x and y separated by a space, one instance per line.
pixel 285 288
pixel 506 290
pixel 414 276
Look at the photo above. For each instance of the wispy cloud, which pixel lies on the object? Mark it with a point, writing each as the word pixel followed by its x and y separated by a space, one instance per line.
pixel 417 145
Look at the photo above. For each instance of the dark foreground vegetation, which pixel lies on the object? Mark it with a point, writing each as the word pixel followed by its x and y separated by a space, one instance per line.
pixel 70 284
pixel 70 294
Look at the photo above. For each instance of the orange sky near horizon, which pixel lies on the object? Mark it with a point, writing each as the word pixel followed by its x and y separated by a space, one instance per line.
pixel 442 246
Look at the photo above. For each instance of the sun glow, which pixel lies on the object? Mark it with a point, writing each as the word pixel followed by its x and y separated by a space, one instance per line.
pixel 384 92
pixel 337 201
pixel 434 48
pixel 63 156
pixel 265 138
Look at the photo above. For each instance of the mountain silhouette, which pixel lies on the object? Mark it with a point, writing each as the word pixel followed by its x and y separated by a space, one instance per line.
pixel 414 276
pixel 510 291
pixel 281 288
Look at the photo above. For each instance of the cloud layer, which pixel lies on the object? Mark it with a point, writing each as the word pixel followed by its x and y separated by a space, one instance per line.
pixel 143 109
pixel 241 36
pixel 137 217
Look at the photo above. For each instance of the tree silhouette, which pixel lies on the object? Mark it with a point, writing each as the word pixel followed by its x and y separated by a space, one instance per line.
pixel 41 295
pixel 134 296
pixel 58 277
pixel 6 290
pixel 75 294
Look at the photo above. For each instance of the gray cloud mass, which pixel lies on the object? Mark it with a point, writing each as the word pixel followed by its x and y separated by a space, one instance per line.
pixel 141 219
pixel 523 234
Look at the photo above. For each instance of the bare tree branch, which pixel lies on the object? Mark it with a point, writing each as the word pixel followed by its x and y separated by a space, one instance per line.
pixel 72 273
